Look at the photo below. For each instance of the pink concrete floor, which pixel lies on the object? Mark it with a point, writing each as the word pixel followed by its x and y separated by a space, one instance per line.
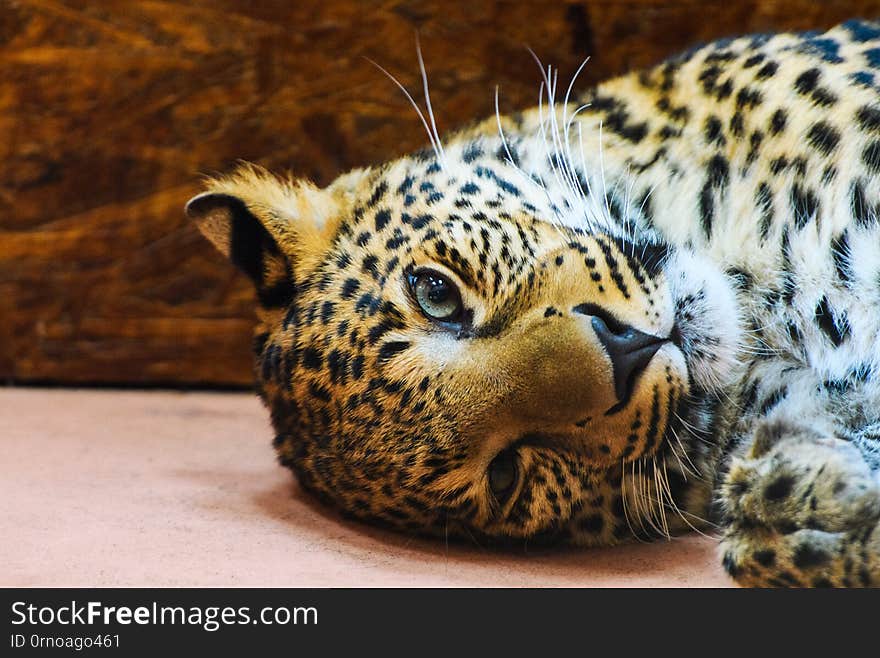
pixel 109 488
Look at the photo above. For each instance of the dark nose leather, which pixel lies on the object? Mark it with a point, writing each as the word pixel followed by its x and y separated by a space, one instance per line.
pixel 630 351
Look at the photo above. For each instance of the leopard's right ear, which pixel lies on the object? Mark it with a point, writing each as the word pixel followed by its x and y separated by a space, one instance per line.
pixel 269 228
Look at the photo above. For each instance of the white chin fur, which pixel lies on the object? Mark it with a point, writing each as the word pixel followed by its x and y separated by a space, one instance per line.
pixel 708 318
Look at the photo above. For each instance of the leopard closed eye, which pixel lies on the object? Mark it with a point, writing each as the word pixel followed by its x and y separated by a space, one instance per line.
pixel 648 310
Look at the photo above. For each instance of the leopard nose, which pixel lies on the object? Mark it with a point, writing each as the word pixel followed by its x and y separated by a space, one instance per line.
pixel 629 349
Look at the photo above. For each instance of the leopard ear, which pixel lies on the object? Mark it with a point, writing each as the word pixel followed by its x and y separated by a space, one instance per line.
pixel 271 229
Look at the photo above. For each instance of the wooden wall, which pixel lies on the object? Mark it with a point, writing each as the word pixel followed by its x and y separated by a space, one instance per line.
pixel 110 110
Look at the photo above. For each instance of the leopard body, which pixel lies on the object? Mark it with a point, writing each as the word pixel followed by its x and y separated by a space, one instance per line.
pixel 724 202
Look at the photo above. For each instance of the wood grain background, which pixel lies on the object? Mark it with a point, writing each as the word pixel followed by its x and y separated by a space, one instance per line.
pixel 110 111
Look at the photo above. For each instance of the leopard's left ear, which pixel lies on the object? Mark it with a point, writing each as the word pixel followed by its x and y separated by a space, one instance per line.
pixel 272 229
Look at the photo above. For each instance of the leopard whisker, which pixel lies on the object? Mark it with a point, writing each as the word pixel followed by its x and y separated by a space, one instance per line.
pixel 566 122
pixel 684 470
pixel 625 504
pixel 557 223
pixel 678 511
pixel 646 515
pixel 554 158
pixel 434 144
pixel 660 507
pixel 570 182
pixel 654 517
pixel 428 102
pixel 661 485
pixel 696 471
pixel 529 179
pixel 591 211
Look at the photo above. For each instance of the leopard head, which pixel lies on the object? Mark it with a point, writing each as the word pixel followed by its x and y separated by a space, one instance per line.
pixel 439 354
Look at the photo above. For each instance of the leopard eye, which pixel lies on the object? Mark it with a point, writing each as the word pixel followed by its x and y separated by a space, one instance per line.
pixel 436 295
pixel 503 475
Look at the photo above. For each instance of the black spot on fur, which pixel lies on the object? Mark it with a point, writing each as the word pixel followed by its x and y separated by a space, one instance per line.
pixel 327 309
pixel 319 392
pixel 764 203
pixel 824 47
pixel 859 205
pixel 748 98
pixel 807 81
pixel 472 152
pixel 742 279
pixel 420 222
pixel 370 265
pixel 618 122
pixel 382 219
pixel 780 488
pixel 778 121
pixel 806 556
pixel 357 367
pixel 652 256
pixel 336 363
pixel 311 358
pixel 754 146
pixel 396 241
pixel 804 205
pixel 714 131
pixel 754 60
pixel 767 71
pixel 778 165
pixel 871 156
pixel 823 97
pixel 772 401
pixel 868 118
pixel 840 255
pixel 391 349
pixel 836 330
pixel 737 124
pixel 709 78
pixel 717 176
pixel 862 31
pixel 872 56
pixel 823 137
pixel 349 288
pixel 765 558
pixel 750 397
pixel 377 194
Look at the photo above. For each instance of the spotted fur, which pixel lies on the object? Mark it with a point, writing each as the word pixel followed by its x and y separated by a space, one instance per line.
pixel 725 202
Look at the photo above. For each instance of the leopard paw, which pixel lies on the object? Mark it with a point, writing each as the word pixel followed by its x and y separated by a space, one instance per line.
pixel 793 478
pixel 801 509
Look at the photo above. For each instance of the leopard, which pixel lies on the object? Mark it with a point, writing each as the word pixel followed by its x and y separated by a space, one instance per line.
pixel 636 311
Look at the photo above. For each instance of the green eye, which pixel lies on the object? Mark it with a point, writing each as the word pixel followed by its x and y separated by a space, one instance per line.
pixel 436 295
pixel 503 475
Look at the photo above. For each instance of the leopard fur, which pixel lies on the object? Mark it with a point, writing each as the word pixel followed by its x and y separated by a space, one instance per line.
pixel 724 202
